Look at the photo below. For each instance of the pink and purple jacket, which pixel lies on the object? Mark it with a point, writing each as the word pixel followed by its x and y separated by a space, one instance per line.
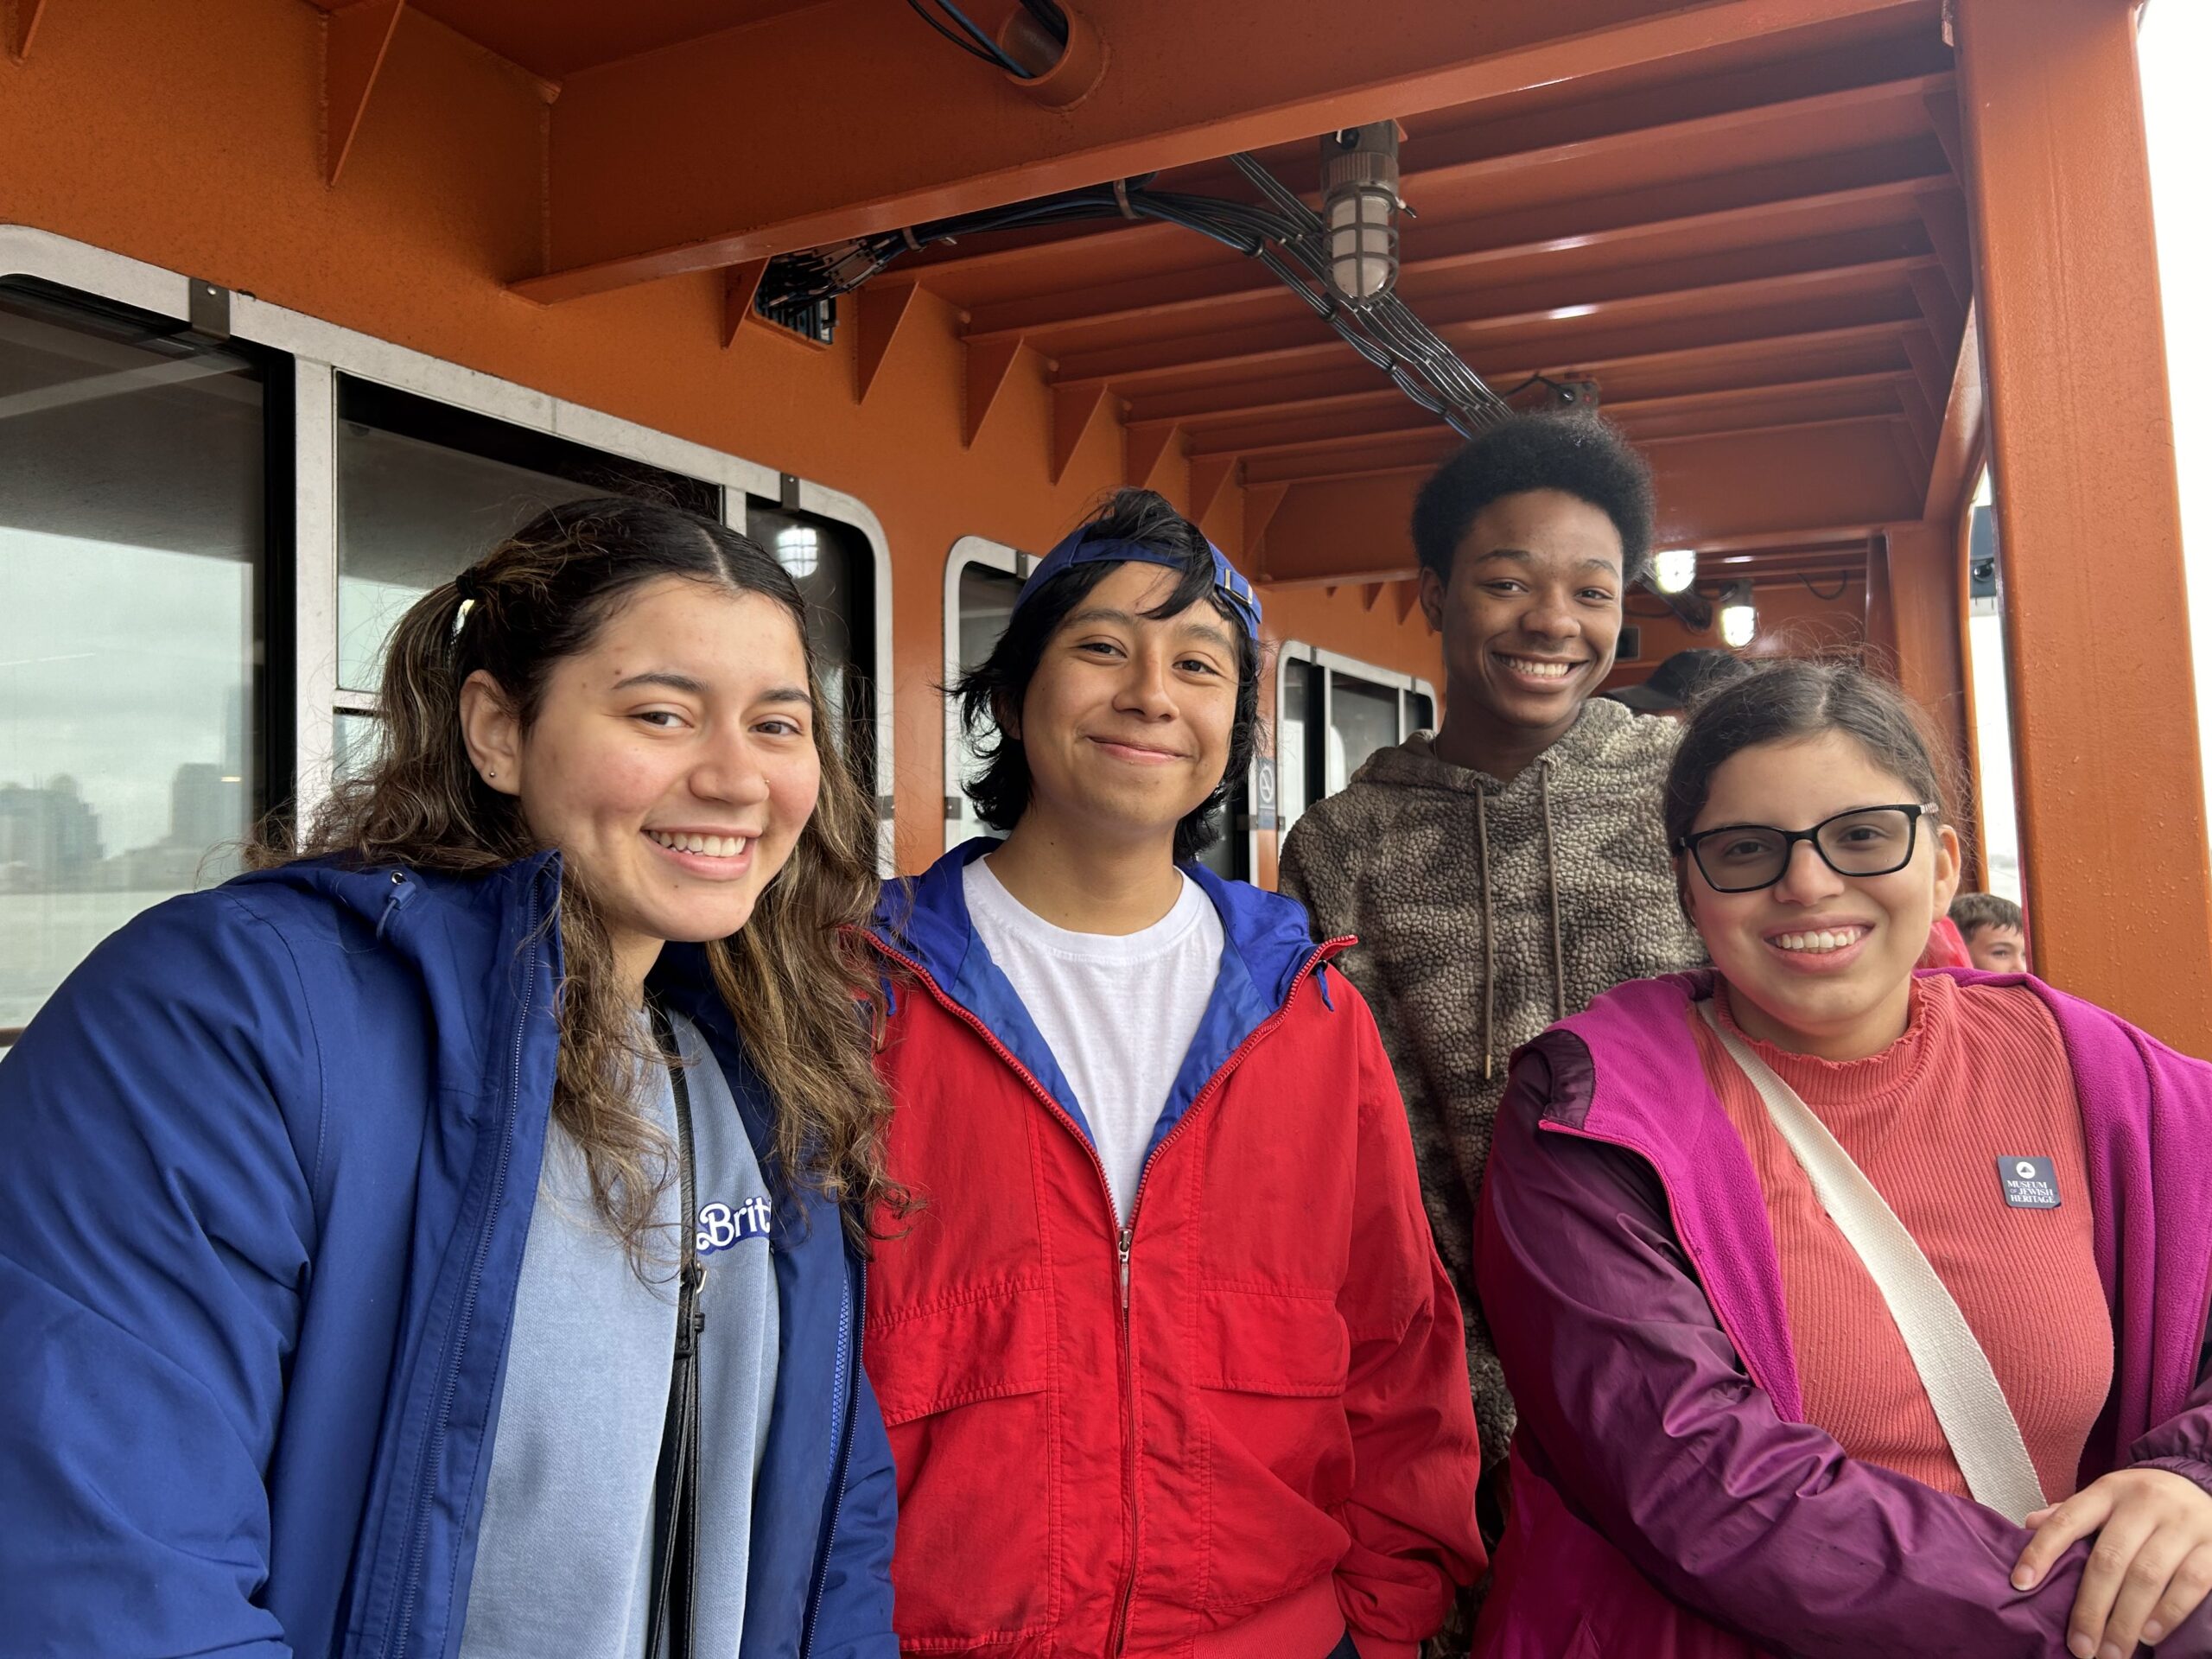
pixel 1669 1499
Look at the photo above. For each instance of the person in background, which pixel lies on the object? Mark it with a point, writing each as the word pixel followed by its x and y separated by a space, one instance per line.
pixel 1168 1360
pixel 1680 681
pixel 384 1235
pixel 1849 1310
pixel 1996 935
pixel 1501 873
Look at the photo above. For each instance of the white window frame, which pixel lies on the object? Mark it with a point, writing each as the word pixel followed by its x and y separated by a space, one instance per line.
pixel 960 822
pixel 1298 650
pixel 319 353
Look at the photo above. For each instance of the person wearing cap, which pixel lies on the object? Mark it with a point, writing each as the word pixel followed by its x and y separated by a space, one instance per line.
pixel 1680 681
pixel 1168 1358
pixel 1504 871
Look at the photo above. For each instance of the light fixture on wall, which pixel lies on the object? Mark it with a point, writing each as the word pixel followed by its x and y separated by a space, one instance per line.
pixel 1674 569
pixel 799 549
pixel 1359 210
pixel 1739 618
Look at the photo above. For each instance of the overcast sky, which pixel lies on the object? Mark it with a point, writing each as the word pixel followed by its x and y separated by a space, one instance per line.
pixel 117 666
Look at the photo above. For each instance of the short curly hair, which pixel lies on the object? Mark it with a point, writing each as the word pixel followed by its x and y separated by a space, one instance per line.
pixel 1578 455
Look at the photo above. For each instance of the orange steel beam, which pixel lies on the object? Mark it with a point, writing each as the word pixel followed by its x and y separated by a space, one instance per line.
pixel 354 43
pixel 1736 409
pixel 1879 286
pixel 1963 443
pixel 1796 353
pixel 657 166
pixel 21 18
pixel 1775 238
pixel 2103 700
pixel 1798 142
pixel 1922 563
pixel 1794 487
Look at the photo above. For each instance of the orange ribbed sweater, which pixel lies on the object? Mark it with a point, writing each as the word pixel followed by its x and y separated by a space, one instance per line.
pixel 1979 1074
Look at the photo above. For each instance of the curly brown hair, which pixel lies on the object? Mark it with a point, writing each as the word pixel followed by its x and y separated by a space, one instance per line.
pixel 797 979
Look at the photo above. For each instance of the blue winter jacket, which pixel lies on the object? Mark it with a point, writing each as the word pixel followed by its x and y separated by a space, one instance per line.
pixel 267 1162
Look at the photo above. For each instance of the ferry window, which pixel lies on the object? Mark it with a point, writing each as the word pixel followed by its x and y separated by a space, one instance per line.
pixel 981 583
pixel 1331 713
pixel 133 514
pixel 1986 663
pixel 424 489
pixel 835 569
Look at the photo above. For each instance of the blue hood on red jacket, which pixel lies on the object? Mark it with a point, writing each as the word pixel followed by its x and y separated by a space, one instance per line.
pixel 1268 946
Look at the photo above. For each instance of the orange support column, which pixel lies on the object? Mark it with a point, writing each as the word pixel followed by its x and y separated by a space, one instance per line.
pixel 2103 699
pixel 1923 561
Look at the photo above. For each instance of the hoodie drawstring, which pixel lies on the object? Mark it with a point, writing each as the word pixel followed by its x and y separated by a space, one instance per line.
pixel 1489 955
pixel 1551 885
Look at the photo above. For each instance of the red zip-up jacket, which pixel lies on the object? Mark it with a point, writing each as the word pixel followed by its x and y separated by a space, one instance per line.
pixel 1239 1426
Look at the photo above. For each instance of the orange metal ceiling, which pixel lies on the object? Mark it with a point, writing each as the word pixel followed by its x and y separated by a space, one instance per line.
pixel 554 40
pixel 1747 232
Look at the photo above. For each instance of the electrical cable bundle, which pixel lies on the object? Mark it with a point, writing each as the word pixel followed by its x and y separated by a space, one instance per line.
pixel 964 32
pixel 1284 235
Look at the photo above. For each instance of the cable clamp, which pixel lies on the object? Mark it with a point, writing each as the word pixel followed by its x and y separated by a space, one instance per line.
pixel 1121 196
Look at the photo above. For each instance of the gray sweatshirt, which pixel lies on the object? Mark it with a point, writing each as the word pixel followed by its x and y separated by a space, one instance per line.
pixel 1484 911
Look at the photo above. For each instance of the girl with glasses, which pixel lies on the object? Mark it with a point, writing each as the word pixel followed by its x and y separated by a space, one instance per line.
pixel 1848 1310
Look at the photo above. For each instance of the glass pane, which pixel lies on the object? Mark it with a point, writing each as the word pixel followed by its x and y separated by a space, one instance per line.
pixel 987 598
pixel 1291 758
pixel 1421 708
pixel 353 742
pixel 131 513
pixel 1363 718
pixel 424 490
pixel 835 569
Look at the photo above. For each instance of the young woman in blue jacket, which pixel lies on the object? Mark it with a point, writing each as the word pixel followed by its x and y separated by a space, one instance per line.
pixel 445 1243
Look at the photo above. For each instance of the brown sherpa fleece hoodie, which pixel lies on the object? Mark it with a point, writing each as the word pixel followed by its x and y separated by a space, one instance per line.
pixel 1484 911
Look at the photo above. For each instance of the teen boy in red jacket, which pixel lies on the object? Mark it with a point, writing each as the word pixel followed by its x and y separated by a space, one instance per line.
pixel 1167 1359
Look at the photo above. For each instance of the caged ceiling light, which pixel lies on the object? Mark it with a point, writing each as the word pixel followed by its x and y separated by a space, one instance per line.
pixel 1359 210
pixel 1674 569
pixel 1739 618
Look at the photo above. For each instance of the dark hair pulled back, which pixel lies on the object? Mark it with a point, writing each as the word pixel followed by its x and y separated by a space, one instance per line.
pixel 801 990
pixel 1788 702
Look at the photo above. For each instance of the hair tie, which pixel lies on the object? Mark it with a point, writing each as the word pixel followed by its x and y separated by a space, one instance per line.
pixel 467 587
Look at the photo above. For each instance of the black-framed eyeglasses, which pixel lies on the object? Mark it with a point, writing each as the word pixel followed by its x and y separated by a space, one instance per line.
pixel 1865 840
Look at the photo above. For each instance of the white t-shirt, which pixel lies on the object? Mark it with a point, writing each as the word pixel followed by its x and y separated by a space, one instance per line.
pixel 1118 1011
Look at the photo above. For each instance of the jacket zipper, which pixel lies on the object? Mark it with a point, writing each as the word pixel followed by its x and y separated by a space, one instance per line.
pixel 1125 1240
pixel 464 1319
pixel 841 1464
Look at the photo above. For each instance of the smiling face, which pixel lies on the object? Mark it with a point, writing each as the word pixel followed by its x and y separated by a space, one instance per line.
pixel 1126 722
pixel 1532 611
pixel 672 761
pixel 1819 963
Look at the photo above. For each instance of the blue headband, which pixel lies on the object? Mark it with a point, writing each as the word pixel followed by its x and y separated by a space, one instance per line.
pixel 1229 584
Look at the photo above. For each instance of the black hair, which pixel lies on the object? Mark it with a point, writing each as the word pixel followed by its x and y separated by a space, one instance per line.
pixel 1978 909
pixel 1784 701
pixel 1578 455
pixel 1002 681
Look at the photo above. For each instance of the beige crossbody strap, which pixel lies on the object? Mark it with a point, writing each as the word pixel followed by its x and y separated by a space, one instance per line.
pixel 1969 1404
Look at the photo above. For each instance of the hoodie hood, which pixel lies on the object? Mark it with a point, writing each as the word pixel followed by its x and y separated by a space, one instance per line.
pixel 1267 947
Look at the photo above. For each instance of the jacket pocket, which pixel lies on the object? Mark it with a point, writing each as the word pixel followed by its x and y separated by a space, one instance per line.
pixel 963 1389
pixel 1277 1449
